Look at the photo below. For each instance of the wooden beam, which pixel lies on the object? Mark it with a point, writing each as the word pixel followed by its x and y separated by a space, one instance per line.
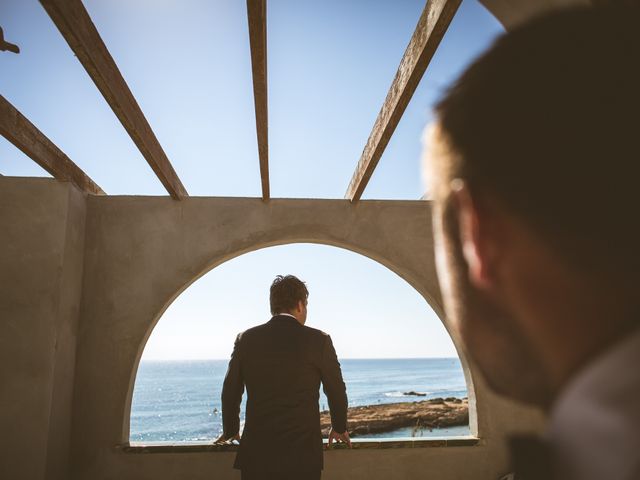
pixel 257 14
pixel 433 24
pixel 76 27
pixel 23 134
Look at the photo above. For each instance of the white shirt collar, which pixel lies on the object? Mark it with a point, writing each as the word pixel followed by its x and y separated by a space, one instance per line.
pixel 595 423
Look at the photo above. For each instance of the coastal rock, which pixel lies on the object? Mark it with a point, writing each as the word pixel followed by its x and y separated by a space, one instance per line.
pixel 414 394
pixel 435 413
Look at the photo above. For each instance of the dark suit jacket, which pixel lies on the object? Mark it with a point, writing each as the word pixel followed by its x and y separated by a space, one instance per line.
pixel 282 363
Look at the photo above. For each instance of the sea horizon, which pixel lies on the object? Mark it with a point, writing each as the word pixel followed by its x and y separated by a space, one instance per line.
pixel 179 400
pixel 339 358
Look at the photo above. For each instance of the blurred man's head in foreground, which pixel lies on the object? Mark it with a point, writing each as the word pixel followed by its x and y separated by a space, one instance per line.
pixel 533 165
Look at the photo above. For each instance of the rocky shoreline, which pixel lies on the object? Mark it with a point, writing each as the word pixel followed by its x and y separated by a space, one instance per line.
pixel 382 418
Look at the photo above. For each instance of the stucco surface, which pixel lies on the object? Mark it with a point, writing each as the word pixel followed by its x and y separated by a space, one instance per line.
pixel 64 359
pixel 141 252
pixel 85 279
pixel 40 270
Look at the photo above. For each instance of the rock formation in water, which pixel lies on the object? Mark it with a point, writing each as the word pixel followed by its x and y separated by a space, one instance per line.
pixel 426 414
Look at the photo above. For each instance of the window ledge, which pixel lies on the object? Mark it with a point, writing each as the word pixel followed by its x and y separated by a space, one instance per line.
pixel 363 444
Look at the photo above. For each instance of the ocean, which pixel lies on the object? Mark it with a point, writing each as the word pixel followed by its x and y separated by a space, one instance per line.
pixel 179 401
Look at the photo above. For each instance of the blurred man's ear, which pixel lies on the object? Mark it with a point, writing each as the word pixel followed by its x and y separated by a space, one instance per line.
pixel 477 236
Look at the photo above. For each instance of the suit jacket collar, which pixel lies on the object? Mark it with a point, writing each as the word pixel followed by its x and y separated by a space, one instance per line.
pixel 284 319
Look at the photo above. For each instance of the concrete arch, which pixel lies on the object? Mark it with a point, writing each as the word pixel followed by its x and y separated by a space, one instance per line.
pixel 143 251
pixel 354 248
pixel 394 234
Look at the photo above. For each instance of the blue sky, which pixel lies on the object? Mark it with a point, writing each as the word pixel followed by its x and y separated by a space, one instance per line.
pixel 187 63
pixel 368 310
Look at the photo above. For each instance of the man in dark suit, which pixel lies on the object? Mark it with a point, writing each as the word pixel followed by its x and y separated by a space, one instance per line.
pixel 282 363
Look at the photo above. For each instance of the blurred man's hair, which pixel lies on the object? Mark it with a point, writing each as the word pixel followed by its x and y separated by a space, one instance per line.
pixel 286 292
pixel 548 122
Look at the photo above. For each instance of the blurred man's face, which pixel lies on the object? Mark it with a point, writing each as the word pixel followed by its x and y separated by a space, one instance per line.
pixel 478 315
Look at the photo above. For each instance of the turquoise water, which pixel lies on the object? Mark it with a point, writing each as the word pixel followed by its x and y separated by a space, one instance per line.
pixel 179 401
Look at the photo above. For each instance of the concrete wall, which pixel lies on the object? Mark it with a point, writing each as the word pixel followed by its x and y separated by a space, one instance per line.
pixel 41 235
pixel 122 261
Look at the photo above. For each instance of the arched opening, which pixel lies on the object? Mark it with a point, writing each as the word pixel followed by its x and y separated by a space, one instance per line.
pixel 393 347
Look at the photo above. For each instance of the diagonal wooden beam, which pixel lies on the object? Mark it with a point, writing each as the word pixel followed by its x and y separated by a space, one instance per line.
pixel 433 24
pixel 257 13
pixel 16 128
pixel 76 27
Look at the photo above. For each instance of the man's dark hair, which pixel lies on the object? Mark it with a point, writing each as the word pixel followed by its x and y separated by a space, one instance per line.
pixel 286 292
pixel 548 121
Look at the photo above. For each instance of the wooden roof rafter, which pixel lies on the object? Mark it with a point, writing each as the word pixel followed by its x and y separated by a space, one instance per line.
pixel 432 26
pixel 257 16
pixel 16 128
pixel 75 25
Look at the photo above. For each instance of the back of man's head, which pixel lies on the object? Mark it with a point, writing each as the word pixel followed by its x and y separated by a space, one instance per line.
pixel 286 291
pixel 548 121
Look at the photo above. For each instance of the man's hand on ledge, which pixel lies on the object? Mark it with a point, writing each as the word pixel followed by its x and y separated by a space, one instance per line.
pixel 221 440
pixel 338 438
